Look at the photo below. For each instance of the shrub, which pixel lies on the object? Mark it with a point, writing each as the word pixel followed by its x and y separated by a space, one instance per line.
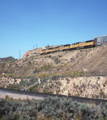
pixel 67 69
pixel 102 94
pixel 53 108
pixel 46 67
pixel 104 112
pixel 88 113
pixel 11 116
pixel 57 60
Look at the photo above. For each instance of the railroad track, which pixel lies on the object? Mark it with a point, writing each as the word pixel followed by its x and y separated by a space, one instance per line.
pixel 43 95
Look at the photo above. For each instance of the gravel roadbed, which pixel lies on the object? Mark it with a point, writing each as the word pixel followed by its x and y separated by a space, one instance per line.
pixel 17 96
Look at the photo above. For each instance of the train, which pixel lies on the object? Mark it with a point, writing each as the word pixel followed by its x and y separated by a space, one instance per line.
pixel 79 45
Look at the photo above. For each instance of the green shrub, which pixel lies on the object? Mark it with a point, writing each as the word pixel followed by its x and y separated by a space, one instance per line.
pixel 53 108
pixel 57 60
pixel 102 94
pixel 46 67
pixel 104 112
pixel 88 113
pixel 11 116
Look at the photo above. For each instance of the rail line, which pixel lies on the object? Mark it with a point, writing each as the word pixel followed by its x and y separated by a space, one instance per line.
pixel 43 95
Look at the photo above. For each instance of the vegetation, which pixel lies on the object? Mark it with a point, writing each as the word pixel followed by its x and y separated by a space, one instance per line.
pixel 46 67
pixel 23 83
pixel 50 108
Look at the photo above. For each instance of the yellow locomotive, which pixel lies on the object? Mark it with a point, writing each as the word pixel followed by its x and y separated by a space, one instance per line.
pixel 68 47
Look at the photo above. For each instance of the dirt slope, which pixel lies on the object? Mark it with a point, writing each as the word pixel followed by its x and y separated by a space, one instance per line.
pixel 91 61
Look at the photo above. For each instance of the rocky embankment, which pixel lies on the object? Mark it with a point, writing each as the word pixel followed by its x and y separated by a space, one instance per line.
pixel 95 86
pixel 91 87
pixel 4 82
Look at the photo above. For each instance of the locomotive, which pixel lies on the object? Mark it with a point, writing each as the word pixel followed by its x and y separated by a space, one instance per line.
pixel 86 44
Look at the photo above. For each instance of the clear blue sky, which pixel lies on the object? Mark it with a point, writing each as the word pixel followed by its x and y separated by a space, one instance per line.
pixel 27 23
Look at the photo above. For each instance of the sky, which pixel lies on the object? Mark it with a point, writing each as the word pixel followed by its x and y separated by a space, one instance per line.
pixel 30 24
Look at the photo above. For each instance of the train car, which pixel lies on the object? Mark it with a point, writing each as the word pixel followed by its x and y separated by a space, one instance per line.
pixel 81 44
pixel 50 50
pixel 61 47
pixel 74 46
pixel 89 43
pixel 43 51
pixel 100 40
pixel 86 44
pixel 55 49
pixel 66 47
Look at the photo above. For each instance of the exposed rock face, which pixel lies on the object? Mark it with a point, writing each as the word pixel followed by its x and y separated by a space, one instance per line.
pixel 95 86
pixel 4 81
pixel 91 87
pixel 33 52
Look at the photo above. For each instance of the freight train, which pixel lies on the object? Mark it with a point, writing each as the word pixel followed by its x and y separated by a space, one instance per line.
pixel 90 43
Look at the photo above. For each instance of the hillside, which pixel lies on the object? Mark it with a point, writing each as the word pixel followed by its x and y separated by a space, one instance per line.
pixel 7 59
pixel 77 65
pixel 91 61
